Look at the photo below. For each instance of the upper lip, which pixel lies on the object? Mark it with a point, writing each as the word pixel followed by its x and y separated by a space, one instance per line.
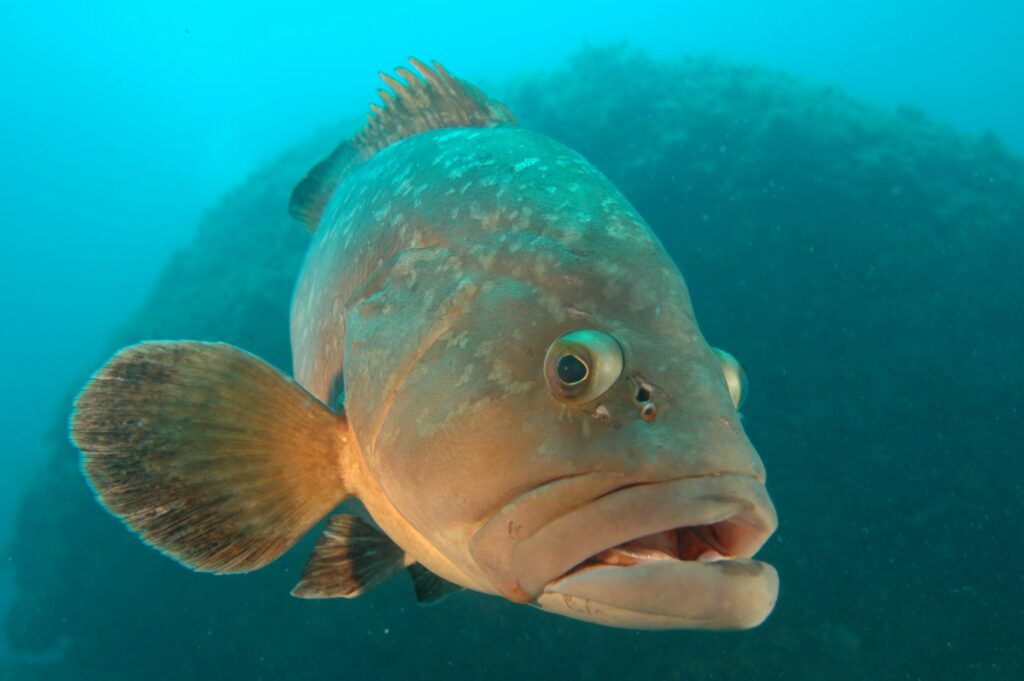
pixel 546 533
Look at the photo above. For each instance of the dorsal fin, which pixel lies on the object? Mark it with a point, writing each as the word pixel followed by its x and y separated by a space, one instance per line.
pixel 432 100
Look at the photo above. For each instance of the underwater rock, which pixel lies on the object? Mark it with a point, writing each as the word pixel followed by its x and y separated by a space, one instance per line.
pixel 864 265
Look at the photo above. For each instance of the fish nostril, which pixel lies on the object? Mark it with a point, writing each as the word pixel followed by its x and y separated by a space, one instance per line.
pixel 649 412
pixel 643 395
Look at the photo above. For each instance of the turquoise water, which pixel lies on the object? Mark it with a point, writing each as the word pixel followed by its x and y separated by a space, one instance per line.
pixel 842 191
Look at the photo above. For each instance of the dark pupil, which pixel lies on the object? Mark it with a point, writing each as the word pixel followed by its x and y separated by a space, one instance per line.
pixel 571 370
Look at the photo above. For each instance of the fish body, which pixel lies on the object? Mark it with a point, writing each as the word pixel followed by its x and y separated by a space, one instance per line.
pixel 498 358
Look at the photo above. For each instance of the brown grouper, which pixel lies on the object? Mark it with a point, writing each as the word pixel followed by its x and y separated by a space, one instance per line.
pixel 495 355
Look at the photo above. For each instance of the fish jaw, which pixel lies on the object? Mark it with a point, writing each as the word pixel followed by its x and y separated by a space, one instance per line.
pixel 668 594
pixel 666 554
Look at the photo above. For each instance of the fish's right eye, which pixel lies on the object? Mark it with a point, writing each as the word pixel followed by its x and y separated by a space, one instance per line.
pixel 582 365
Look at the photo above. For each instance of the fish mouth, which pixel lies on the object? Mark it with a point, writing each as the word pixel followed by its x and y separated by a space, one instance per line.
pixel 672 554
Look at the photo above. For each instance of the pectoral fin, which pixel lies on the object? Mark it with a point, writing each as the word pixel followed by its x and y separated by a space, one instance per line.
pixel 429 587
pixel 209 453
pixel 350 558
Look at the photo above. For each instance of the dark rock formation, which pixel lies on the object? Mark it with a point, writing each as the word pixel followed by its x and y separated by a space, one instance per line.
pixel 866 265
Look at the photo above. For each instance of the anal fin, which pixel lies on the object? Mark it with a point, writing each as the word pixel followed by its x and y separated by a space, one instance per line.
pixel 351 557
pixel 429 587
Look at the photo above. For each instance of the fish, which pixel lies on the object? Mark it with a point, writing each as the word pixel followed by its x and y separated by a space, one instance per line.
pixel 494 355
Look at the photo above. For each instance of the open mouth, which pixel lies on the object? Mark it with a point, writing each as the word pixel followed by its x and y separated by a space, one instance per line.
pixel 672 553
pixel 697 543
pixel 738 532
pixel 718 518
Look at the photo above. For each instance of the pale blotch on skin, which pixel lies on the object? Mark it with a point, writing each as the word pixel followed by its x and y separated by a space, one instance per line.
pixel 458 340
pixel 504 185
pixel 526 163
pixel 455 133
pixel 504 373
pixel 466 377
pixel 554 306
pixel 503 377
pixel 484 349
pixel 488 219
pixel 416 239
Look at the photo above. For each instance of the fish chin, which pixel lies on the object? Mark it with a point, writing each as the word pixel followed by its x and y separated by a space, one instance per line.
pixel 667 594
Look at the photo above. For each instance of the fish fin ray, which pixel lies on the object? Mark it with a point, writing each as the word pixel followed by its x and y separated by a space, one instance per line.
pixel 429 587
pixel 311 195
pixel 421 99
pixel 350 558
pixel 429 99
pixel 208 453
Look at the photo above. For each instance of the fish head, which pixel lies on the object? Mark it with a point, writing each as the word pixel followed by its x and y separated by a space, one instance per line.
pixel 561 433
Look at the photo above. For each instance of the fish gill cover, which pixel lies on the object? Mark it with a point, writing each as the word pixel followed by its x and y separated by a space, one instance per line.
pixel 864 263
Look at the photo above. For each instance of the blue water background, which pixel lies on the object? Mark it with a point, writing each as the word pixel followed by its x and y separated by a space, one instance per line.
pixel 123 121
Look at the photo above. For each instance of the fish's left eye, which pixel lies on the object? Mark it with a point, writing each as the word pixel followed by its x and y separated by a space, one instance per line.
pixel 735 377
pixel 582 365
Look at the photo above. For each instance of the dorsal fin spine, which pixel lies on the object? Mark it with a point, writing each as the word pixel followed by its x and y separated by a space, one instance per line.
pixel 408 76
pixel 425 71
pixel 392 83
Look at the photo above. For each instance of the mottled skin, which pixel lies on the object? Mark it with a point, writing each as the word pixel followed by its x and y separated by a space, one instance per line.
pixel 442 270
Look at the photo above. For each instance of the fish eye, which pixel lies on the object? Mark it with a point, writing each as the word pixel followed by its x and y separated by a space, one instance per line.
pixel 572 370
pixel 735 377
pixel 582 365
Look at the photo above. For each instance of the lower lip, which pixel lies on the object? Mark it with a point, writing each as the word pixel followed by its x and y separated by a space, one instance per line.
pixel 668 594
